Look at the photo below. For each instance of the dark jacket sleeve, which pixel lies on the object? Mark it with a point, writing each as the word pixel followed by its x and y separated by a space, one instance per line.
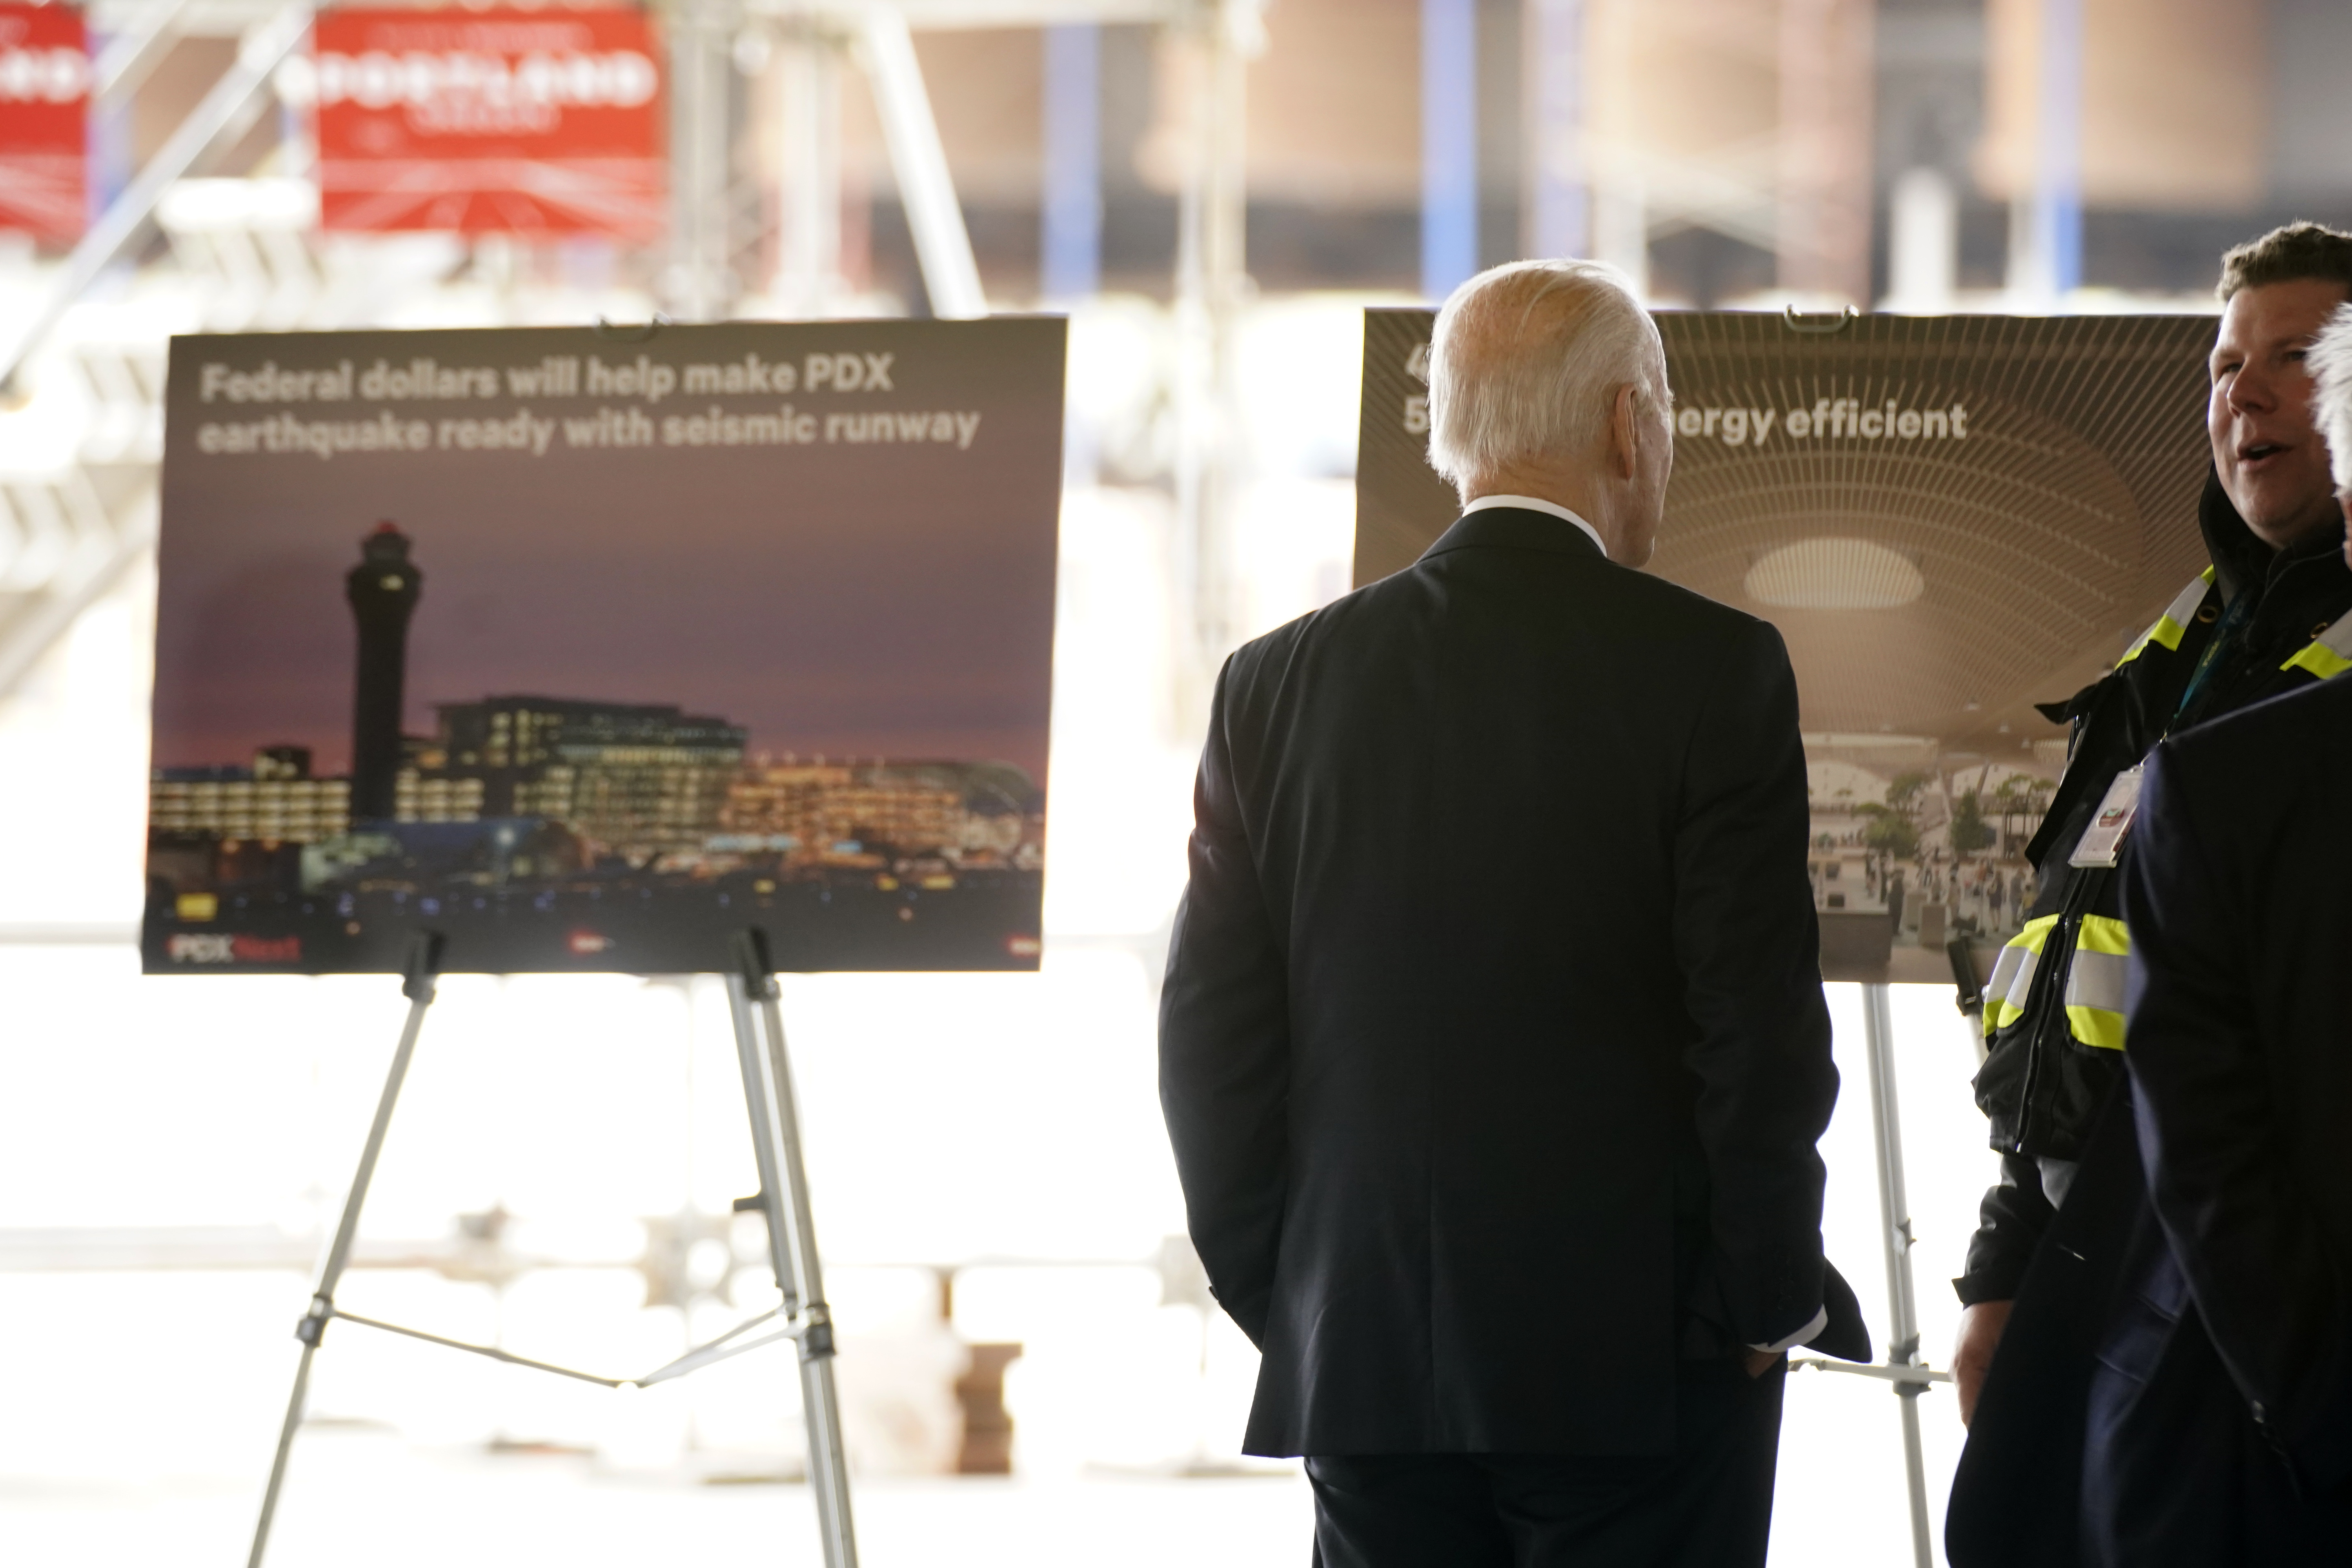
pixel 1225 1046
pixel 2011 1224
pixel 1749 947
pixel 2266 1281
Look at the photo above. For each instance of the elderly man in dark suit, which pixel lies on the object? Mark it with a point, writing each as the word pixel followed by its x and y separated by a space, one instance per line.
pixel 1493 1048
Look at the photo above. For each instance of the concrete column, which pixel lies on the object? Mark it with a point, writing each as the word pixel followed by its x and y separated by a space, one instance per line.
pixel 1559 216
pixel 1923 241
pixel 1827 83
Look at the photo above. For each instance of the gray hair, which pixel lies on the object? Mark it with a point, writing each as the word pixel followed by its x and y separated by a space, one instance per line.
pixel 1525 361
pixel 2330 360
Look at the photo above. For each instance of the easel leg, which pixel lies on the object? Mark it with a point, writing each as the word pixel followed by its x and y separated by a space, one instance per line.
pixel 416 984
pixel 752 993
pixel 1894 1208
pixel 294 1407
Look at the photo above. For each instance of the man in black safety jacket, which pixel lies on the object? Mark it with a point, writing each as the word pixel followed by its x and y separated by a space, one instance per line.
pixel 2272 613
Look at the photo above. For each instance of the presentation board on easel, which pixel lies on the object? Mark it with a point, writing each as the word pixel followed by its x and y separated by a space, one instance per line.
pixel 1949 520
pixel 587 648
pixel 662 650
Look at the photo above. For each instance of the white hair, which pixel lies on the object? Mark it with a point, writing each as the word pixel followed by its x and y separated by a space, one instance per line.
pixel 2330 360
pixel 1526 363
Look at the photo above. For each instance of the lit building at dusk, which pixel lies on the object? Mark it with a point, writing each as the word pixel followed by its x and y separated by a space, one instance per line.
pixel 915 808
pixel 824 805
pixel 275 799
pixel 417 798
pixel 626 776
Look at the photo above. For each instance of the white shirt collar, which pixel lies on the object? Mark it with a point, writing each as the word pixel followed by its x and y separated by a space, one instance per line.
pixel 1529 503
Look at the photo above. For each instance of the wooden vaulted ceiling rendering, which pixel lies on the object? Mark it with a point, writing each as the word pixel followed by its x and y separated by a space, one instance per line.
pixel 1949 519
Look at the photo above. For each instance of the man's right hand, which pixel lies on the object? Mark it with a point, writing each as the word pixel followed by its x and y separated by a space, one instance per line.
pixel 1979 1336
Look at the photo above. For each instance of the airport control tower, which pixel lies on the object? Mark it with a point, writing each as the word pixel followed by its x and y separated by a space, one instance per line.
pixel 384 589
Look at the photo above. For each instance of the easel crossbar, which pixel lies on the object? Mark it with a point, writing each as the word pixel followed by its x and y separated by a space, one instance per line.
pixel 703 1355
pixel 719 1350
pixel 490 1350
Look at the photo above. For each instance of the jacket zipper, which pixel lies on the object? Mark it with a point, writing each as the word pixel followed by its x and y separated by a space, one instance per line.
pixel 2049 982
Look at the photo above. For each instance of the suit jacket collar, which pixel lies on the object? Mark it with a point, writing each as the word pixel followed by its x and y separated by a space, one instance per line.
pixel 1513 528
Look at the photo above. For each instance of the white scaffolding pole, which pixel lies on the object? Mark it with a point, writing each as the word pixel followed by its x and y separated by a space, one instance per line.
pixel 809 272
pixel 698 285
pixel 1212 284
pixel 225 115
pixel 926 188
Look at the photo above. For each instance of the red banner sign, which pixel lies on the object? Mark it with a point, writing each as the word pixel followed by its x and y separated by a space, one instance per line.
pixel 531 122
pixel 44 118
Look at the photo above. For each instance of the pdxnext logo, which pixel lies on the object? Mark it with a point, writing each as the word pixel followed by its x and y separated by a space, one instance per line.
pixel 222 947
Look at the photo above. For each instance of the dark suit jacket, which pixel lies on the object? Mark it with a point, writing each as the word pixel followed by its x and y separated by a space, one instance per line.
pixel 1492 1046
pixel 2187 1330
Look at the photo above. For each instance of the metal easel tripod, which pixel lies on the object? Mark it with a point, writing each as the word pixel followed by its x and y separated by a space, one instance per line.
pixel 1903 1370
pixel 803 1317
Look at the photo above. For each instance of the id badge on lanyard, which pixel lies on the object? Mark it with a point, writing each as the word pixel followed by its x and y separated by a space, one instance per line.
pixel 2102 844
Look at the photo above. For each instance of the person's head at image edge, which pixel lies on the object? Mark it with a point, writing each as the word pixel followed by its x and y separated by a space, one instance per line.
pixel 1547 379
pixel 2276 293
pixel 2330 363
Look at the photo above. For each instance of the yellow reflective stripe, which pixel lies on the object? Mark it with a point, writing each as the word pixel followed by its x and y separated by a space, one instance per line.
pixel 2012 974
pixel 2099 1027
pixel 2104 934
pixel 2094 982
pixel 2329 654
pixel 2173 625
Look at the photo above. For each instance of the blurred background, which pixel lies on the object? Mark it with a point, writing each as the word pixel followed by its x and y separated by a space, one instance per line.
pixel 1213 190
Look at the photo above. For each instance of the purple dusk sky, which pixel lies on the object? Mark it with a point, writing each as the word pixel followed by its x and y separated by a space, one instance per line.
pixel 851 599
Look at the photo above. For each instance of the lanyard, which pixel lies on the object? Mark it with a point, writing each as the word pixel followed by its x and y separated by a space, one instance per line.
pixel 2102 843
pixel 2233 620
